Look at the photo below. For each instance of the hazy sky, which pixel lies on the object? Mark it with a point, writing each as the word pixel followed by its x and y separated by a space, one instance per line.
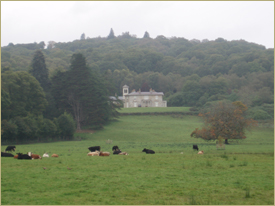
pixel 65 21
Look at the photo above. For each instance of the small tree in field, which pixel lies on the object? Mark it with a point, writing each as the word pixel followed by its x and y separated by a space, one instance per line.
pixel 224 121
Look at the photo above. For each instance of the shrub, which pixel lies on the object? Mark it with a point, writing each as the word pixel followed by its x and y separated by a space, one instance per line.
pixel 258 114
pixel 66 126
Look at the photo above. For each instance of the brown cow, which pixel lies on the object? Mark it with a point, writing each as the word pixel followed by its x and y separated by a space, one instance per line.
pixel 104 154
pixel 54 155
pixel 34 156
pixel 200 152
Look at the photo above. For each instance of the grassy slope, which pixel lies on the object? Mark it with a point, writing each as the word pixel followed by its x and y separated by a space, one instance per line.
pixel 241 174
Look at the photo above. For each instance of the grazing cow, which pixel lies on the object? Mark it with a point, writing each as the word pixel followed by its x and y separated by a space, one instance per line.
pixel 200 152
pixel 23 156
pixel 123 153
pixel 15 156
pixel 54 155
pixel 93 149
pixel 148 151
pixel 195 147
pixel 117 152
pixel 34 156
pixel 4 154
pixel 96 153
pixel 46 155
pixel 10 148
pixel 115 148
pixel 104 154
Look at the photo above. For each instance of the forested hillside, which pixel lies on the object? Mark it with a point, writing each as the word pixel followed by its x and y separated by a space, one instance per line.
pixel 189 72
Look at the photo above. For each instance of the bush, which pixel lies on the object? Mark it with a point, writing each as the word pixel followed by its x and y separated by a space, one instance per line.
pixel 66 126
pixel 258 114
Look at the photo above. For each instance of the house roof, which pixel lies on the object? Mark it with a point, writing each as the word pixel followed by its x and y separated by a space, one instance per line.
pixel 144 94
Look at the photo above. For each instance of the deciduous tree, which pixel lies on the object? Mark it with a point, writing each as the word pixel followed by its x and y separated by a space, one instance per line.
pixel 226 121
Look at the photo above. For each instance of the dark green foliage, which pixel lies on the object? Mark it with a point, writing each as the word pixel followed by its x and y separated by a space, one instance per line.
pixel 66 126
pixel 5 104
pixel 258 113
pixel 40 71
pixel 24 93
pixel 111 34
pixel 82 92
pixel 8 131
pixel 146 35
pixel 176 100
pixel 232 70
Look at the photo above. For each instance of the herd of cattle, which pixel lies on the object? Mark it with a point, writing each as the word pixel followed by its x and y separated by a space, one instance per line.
pixel 94 151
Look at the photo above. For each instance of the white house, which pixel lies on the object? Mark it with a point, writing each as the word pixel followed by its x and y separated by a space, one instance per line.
pixel 142 99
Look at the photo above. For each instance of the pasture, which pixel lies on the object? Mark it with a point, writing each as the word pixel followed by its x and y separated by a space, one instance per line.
pixel 242 174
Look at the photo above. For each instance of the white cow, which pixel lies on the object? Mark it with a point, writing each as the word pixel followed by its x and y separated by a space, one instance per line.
pixel 95 153
pixel 45 155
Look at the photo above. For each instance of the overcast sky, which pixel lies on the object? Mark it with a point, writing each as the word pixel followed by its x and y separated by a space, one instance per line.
pixel 65 21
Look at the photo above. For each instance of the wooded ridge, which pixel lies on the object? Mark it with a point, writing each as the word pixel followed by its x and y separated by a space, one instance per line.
pixel 189 72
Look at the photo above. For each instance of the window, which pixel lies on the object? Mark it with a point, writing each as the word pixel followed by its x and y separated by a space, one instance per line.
pixel 135 104
pixel 156 97
pixel 146 97
pixel 156 104
pixel 125 90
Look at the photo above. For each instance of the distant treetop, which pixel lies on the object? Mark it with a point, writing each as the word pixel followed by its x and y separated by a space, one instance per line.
pixel 111 35
pixel 146 35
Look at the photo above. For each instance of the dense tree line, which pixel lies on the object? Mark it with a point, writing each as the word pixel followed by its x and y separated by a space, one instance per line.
pixel 189 72
pixel 36 108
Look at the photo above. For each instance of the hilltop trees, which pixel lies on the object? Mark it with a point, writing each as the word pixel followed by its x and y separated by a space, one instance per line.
pixel 146 35
pixel 227 70
pixel 111 34
pixel 224 121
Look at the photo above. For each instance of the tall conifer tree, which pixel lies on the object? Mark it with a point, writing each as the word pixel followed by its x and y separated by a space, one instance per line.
pixel 82 93
pixel 39 70
pixel 111 35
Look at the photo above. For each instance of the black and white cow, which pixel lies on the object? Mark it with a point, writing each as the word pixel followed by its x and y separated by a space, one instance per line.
pixel 4 154
pixel 24 156
pixel 195 147
pixel 10 148
pixel 93 149
pixel 148 151
pixel 117 152
pixel 115 148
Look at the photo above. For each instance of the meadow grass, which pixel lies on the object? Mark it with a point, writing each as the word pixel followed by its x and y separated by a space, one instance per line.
pixel 242 174
pixel 153 109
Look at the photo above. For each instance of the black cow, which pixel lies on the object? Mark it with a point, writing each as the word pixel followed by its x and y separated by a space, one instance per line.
pixel 148 151
pixel 93 149
pixel 24 156
pixel 4 154
pixel 10 148
pixel 195 147
pixel 117 152
pixel 115 148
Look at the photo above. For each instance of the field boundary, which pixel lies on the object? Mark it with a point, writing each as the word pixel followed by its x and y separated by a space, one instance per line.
pixel 159 113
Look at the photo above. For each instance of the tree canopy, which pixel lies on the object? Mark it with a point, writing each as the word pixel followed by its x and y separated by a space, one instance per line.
pixel 225 121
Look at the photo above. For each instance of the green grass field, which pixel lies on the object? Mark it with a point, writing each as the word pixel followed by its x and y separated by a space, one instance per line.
pixel 153 109
pixel 242 174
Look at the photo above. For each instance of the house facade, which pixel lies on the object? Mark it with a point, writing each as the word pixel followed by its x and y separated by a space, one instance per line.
pixel 142 99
